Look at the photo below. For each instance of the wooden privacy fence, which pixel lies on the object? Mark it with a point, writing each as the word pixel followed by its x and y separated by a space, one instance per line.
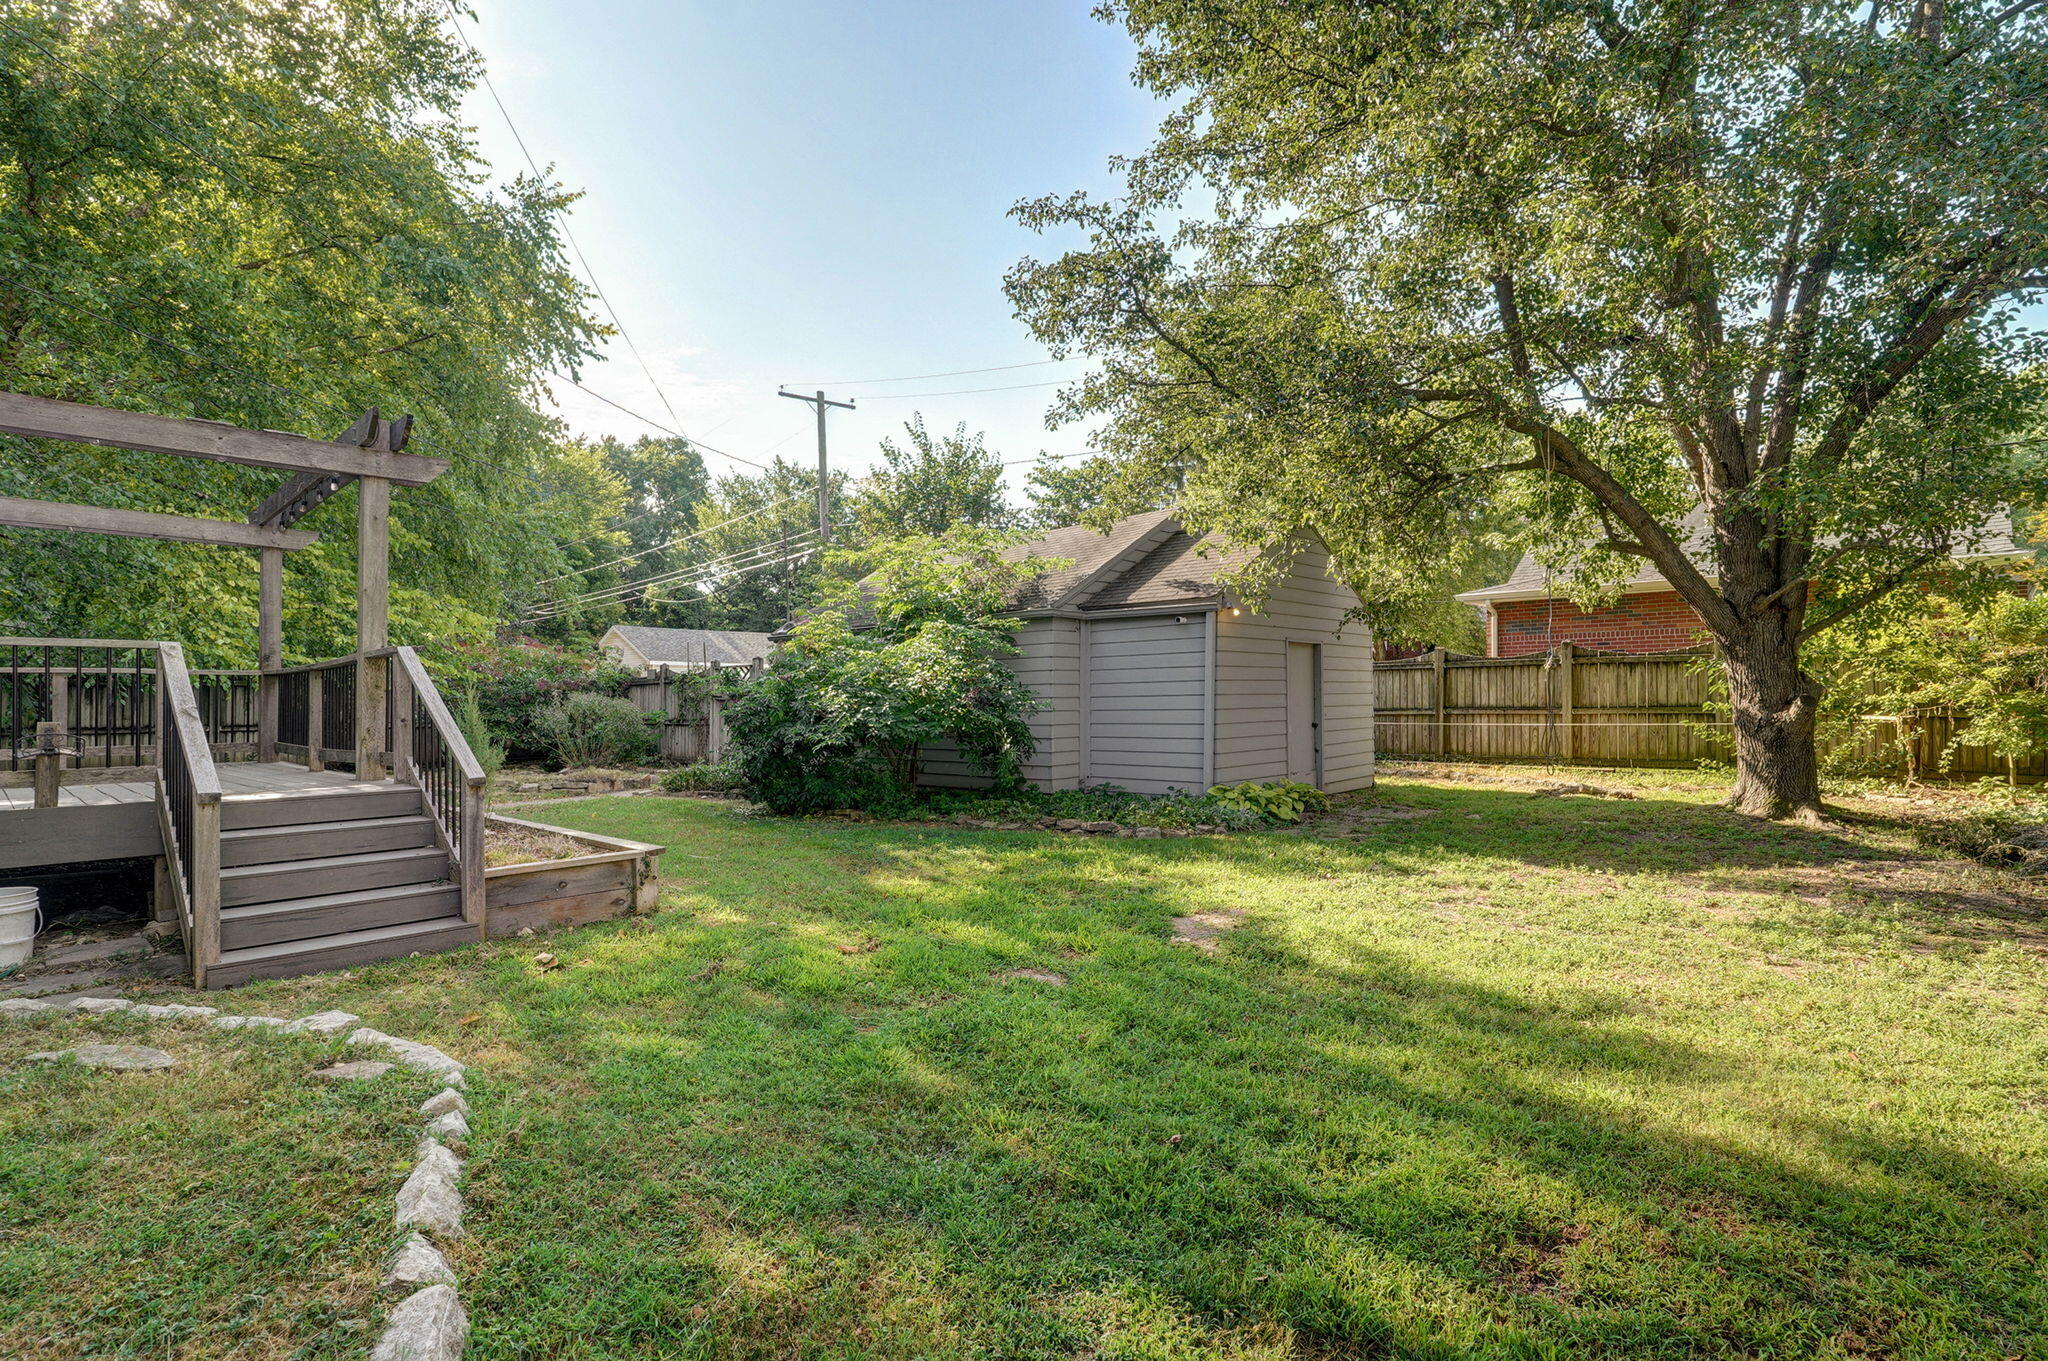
pixel 1575 708
pixel 693 727
pixel 1563 706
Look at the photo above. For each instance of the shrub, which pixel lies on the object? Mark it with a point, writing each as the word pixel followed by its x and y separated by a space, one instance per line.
pixel 513 683
pixel 705 777
pixel 595 730
pixel 1279 801
pixel 915 654
pixel 1100 803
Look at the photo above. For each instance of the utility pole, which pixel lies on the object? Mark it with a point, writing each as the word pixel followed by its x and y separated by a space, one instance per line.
pixel 820 401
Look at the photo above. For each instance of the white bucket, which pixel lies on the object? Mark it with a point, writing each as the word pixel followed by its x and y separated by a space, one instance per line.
pixel 18 923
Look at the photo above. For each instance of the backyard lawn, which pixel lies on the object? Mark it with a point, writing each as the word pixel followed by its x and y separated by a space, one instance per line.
pixel 1476 1073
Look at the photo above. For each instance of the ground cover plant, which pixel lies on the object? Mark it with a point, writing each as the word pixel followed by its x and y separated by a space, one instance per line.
pixel 1463 1071
pixel 231 1206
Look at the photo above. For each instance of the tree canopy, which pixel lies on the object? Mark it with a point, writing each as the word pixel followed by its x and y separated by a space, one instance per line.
pixel 1414 274
pixel 269 214
pixel 930 485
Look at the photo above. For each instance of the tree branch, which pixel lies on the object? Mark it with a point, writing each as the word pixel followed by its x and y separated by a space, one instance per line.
pixel 1871 596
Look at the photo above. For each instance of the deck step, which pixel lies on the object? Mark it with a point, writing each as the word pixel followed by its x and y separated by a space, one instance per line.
pixel 316 840
pixel 289 959
pixel 334 803
pixel 332 874
pixel 333 914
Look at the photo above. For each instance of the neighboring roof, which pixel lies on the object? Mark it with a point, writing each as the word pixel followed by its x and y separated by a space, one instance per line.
pixel 692 647
pixel 1992 539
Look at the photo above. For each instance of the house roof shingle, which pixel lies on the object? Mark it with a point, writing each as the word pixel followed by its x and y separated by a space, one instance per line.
pixel 1992 539
pixel 692 647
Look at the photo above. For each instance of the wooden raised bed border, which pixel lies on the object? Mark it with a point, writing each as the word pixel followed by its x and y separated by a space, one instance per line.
pixel 616 879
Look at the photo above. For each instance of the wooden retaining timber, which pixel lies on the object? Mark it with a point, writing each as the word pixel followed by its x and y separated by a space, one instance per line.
pixel 616 879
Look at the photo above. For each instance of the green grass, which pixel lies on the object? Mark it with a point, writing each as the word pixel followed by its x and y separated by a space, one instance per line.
pixel 1525 1077
pixel 230 1206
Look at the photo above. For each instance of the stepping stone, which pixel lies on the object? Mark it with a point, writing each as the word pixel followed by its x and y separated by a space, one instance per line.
pixel 100 1006
pixel 426 1326
pixel 429 1199
pixel 125 1058
pixel 25 1006
pixel 358 1070
pixel 324 1022
pixel 449 1127
pixel 245 1022
pixel 170 1012
pixel 95 951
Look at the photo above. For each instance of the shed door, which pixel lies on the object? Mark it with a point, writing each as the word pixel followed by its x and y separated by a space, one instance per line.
pixel 1305 713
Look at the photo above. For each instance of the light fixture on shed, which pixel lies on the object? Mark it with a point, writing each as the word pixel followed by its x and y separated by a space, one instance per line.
pixel 1180 619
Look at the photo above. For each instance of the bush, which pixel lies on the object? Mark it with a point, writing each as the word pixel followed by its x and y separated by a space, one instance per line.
pixel 705 777
pixel 513 683
pixel 915 654
pixel 1279 801
pixel 596 730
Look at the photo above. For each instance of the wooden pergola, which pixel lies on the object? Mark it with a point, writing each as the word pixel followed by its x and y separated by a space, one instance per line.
pixel 370 453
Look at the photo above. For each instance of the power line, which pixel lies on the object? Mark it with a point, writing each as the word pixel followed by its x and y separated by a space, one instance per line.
pixel 699 568
pixel 670 430
pixel 569 235
pixel 959 392
pixel 916 377
pixel 673 543
pixel 735 564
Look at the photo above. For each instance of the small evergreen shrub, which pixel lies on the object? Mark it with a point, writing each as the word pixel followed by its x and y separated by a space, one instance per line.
pixel 595 730
pixel 705 777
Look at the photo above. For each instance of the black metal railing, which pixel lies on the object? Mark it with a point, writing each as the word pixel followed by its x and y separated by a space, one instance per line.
pixel 338 705
pixel 227 705
pixel 294 690
pixel 104 695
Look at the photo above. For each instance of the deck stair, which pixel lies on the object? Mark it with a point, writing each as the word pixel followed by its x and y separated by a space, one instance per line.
pixel 328 878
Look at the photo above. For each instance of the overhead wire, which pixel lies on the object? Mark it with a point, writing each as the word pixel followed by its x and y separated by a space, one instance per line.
pixel 736 567
pixel 673 543
pixel 918 377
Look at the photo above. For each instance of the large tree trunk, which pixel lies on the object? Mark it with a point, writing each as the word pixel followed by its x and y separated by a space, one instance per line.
pixel 1775 703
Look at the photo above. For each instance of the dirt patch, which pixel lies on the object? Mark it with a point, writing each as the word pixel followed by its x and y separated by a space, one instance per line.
pixel 1204 930
pixel 1045 976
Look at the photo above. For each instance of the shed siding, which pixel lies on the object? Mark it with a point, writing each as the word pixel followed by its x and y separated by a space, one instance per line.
pixel 1251 680
pixel 1049 661
pixel 1146 716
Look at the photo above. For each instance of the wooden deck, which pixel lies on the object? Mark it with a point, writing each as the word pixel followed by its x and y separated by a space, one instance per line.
pixel 238 780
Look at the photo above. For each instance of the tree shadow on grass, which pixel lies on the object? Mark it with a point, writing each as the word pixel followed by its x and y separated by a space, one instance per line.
pixel 852 1137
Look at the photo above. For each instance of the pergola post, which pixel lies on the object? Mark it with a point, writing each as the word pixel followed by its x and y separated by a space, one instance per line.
pixel 373 624
pixel 269 647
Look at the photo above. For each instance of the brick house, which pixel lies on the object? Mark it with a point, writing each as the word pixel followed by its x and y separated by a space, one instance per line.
pixel 1524 615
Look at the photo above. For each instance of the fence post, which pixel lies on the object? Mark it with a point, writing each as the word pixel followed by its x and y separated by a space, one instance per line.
pixel 714 728
pixel 316 721
pixel 1566 744
pixel 49 764
pixel 1436 671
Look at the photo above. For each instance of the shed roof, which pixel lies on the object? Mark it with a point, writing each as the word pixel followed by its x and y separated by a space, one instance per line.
pixel 691 647
pixel 1991 539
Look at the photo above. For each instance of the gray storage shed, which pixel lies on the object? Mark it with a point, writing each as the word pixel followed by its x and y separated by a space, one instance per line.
pixel 1155 678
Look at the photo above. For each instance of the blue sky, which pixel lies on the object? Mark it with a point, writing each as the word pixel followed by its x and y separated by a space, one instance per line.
pixel 808 192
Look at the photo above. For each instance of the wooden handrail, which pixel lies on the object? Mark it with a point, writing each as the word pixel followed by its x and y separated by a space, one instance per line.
pixel 184 710
pixel 444 722
pixel 195 864
pixel 462 827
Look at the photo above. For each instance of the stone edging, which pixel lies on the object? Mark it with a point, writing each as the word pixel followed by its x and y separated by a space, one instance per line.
pixel 429 1324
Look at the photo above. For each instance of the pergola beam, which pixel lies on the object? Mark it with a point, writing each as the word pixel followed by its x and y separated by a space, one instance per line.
pixel 47 418
pixel 145 524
